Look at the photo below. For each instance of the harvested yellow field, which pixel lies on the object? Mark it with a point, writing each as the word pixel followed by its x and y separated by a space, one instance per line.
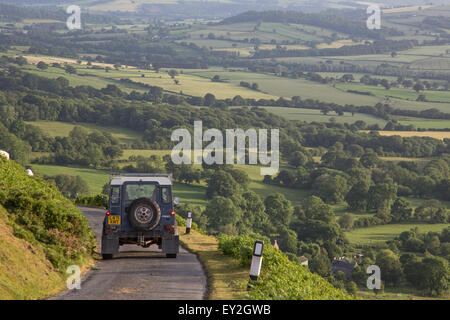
pixel 31 21
pixel 407 9
pixel 198 86
pixel 338 44
pixel 365 3
pixel 431 134
pixel 49 60
pixel 127 5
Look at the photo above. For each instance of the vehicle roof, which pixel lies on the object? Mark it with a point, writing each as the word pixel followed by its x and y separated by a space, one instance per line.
pixel 118 181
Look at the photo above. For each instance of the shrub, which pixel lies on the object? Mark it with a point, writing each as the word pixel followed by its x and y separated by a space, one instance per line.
pixel 280 278
pixel 40 215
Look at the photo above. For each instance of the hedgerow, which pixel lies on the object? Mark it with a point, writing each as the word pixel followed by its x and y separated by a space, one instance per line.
pixel 99 200
pixel 280 278
pixel 40 215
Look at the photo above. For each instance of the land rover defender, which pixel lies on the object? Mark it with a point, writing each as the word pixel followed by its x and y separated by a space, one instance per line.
pixel 140 211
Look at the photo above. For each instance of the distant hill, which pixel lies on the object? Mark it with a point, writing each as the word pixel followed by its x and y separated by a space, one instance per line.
pixel 323 20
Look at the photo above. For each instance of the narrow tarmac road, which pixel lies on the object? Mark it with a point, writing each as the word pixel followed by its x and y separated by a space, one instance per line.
pixel 139 274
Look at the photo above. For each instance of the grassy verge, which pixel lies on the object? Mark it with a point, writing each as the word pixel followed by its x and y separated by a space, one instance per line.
pixel 227 279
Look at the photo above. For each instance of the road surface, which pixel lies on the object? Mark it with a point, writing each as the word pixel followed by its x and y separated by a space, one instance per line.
pixel 139 274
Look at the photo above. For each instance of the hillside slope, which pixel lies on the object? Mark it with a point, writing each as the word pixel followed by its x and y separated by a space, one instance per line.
pixel 41 234
pixel 25 271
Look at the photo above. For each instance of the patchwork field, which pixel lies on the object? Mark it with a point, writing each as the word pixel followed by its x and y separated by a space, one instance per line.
pixel 197 82
pixel 286 87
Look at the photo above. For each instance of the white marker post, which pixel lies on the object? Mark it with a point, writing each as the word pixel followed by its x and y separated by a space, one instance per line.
pixel 189 222
pixel 255 267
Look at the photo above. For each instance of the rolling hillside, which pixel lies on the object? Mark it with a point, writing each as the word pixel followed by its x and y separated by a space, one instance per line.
pixel 41 234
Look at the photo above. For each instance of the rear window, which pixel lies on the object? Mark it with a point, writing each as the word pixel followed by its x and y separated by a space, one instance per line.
pixel 165 195
pixel 115 195
pixel 136 191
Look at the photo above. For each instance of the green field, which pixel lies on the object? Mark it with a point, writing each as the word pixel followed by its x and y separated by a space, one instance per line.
pixel 286 87
pixel 95 178
pixel 310 115
pixel 425 123
pixel 400 93
pixel 383 233
pixel 62 129
pixel 195 194
pixel 197 82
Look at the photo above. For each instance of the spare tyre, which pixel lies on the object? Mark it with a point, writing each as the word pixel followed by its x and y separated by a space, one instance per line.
pixel 144 214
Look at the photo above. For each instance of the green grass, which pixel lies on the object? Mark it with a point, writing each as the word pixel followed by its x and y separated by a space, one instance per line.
pixel 95 178
pixel 144 153
pixel 424 123
pixel 23 267
pixel 310 115
pixel 286 87
pixel 227 278
pixel 62 129
pixel 74 79
pixel 400 93
pixel 387 232
pixel 32 267
pixel 195 194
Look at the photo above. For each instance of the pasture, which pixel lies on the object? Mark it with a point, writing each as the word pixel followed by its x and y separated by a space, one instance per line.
pixel 377 234
pixel 62 129
pixel 423 123
pixel 399 93
pixel 287 88
pixel 310 115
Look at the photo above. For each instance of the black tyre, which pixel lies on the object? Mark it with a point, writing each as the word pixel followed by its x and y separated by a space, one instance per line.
pixel 107 256
pixel 144 214
pixel 171 255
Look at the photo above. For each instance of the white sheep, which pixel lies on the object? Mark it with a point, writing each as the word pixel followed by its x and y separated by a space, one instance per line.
pixel 4 154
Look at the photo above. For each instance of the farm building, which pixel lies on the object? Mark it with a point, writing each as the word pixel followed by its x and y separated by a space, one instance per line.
pixel 303 260
pixel 344 266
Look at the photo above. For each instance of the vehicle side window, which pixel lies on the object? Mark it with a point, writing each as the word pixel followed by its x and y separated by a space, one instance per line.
pixel 165 194
pixel 115 195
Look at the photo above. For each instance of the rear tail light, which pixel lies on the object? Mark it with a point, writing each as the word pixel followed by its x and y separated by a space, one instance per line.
pixel 108 213
pixel 170 228
pixel 172 213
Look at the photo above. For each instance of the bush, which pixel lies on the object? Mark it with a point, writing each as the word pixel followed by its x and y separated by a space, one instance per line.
pixel 280 278
pixel 40 215
pixel 97 201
